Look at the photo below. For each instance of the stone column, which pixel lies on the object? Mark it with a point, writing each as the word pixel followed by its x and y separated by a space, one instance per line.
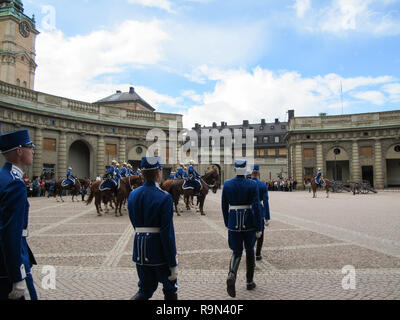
pixel 320 157
pixel 122 151
pixel 355 165
pixel 378 165
pixel 62 155
pixel 37 159
pixel 298 164
pixel 100 156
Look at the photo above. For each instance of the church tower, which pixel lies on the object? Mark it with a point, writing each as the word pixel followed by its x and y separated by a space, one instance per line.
pixel 17 45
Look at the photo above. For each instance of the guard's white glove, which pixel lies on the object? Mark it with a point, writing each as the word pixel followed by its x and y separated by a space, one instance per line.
pixel 258 234
pixel 266 222
pixel 174 274
pixel 18 290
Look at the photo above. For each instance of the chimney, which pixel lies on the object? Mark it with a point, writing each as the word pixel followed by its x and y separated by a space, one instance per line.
pixel 131 90
pixel 276 121
pixel 119 91
pixel 214 125
pixel 222 124
pixel 245 123
pixel 291 114
pixel 263 121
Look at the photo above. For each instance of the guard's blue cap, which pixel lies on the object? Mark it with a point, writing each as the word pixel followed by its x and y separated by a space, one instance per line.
pixel 150 163
pixel 240 167
pixel 248 173
pixel 13 140
pixel 256 167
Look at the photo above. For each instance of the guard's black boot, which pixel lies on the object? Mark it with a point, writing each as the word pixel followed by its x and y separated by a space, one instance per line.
pixel 139 297
pixel 259 247
pixel 171 296
pixel 250 265
pixel 231 281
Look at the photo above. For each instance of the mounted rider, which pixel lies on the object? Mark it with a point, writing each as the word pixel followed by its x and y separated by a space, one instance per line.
pixel 193 179
pixel 181 173
pixel 124 170
pixel 111 179
pixel 319 179
pixel 264 200
pixel 243 219
pixel 70 181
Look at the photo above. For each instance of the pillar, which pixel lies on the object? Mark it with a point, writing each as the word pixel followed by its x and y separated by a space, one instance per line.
pixel 298 165
pixel 378 166
pixel 355 164
pixel 37 159
pixel 100 156
pixel 122 151
pixel 62 155
pixel 320 157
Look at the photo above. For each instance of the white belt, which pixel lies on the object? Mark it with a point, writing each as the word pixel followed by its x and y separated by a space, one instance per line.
pixel 239 207
pixel 25 233
pixel 262 202
pixel 147 230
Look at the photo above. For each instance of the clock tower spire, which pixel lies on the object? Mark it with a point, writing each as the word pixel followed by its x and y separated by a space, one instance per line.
pixel 17 45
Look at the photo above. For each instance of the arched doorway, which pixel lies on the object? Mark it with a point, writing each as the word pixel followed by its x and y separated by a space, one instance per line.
pixel 337 164
pixel 135 156
pixel 393 166
pixel 79 159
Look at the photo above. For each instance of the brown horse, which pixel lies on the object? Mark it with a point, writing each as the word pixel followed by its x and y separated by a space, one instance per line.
pixel 311 180
pixel 175 187
pixel 106 196
pixel 74 188
pixel 85 182
pixel 127 184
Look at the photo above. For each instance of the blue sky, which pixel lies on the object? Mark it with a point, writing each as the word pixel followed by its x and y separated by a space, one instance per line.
pixel 217 60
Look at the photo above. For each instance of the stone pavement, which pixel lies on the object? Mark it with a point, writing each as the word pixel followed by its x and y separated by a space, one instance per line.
pixel 306 246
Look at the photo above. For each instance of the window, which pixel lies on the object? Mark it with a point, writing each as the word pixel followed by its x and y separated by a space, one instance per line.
pixel 260 152
pixel 139 150
pixel 52 122
pixel 265 139
pixel 48 171
pixel 309 172
pixel 112 130
pixel 366 151
pixel 277 140
pixel 283 127
pixel 272 127
pixel 18 82
pixel 271 152
pixel 282 151
pixel 25 84
pixel 111 149
pixel 308 153
pixel 255 140
pixel 397 148
pixel 49 144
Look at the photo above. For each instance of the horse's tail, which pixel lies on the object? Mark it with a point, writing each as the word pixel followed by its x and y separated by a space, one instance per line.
pixel 90 199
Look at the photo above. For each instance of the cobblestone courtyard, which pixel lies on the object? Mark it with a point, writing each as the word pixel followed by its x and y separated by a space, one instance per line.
pixel 306 246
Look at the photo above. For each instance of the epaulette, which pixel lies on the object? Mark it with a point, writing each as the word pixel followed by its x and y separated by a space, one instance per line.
pixel 158 187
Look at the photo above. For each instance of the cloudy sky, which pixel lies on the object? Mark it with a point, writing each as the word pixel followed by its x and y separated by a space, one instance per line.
pixel 219 60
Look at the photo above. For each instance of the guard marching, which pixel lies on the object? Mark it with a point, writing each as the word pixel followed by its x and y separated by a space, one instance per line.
pixel 242 216
pixel 151 213
pixel 16 258
pixel 264 199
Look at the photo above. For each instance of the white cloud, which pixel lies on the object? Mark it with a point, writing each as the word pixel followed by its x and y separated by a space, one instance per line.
pixel 343 16
pixel 263 94
pixel 302 7
pixel 375 97
pixel 67 66
pixel 393 89
pixel 160 4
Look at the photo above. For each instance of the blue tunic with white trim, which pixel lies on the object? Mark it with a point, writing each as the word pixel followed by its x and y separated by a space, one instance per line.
pixel 151 207
pixel 263 189
pixel 16 258
pixel 240 191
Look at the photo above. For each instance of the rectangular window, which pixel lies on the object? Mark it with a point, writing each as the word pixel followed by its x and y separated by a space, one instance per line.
pixel 366 151
pixel 260 152
pixel 111 149
pixel 49 144
pixel 309 153
pixel 271 152
pixel 309 172
pixel 277 139
pixel 282 151
pixel 265 139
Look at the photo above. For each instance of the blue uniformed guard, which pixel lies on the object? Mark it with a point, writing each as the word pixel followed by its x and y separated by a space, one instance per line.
pixel 319 179
pixel 70 178
pixel 124 170
pixel 154 250
pixel 193 179
pixel 181 173
pixel 264 199
pixel 242 217
pixel 16 258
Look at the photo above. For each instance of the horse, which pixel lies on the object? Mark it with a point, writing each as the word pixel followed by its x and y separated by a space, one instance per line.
pixel 308 179
pixel 127 184
pixel 74 188
pixel 106 196
pixel 85 182
pixel 209 181
pixel 307 183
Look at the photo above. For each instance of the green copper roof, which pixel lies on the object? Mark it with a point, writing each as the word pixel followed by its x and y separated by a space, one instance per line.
pixel 14 8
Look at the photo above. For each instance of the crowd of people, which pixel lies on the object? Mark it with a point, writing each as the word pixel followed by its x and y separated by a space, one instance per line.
pixel 39 187
pixel 281 184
